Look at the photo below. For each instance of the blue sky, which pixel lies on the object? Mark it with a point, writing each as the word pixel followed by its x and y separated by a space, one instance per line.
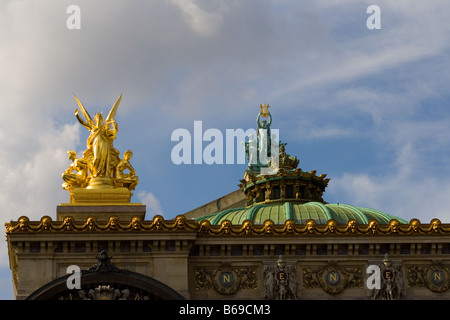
pixel 370 108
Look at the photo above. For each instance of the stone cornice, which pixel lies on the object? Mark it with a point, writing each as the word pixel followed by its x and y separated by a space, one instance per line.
pixel 204 228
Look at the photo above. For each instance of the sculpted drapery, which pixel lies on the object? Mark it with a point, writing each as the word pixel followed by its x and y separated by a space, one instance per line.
pixel 100 153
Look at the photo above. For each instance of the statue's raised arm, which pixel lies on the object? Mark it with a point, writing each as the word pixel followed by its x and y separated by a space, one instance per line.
pixel 88 123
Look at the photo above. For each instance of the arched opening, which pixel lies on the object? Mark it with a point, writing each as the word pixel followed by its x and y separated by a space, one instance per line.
pixel 125 285
pixel 105 281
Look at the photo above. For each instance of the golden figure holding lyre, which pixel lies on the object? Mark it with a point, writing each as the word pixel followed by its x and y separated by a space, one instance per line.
pixel 100 160
pixel 100 153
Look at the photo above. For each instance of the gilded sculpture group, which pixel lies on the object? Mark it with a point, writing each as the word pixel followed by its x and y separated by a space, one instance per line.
pixel 100 166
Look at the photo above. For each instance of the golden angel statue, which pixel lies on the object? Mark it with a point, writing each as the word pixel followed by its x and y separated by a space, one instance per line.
pixel 100 159
pixel 100 153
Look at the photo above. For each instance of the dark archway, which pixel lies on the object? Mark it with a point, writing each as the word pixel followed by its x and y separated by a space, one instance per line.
pixel 104 281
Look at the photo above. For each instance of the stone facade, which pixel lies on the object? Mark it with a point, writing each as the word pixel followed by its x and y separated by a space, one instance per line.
pixel 227 265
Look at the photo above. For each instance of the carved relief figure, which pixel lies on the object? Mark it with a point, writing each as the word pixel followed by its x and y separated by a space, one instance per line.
pixel 280 281
pixel 392 283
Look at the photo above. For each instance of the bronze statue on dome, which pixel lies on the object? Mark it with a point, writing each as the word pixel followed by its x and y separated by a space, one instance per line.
pixel 263 131
pixel 259 151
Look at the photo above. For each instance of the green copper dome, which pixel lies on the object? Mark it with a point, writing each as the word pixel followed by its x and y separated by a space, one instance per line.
pixel 300 213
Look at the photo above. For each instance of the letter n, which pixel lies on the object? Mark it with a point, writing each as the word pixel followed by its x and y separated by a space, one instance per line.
pixel 74 280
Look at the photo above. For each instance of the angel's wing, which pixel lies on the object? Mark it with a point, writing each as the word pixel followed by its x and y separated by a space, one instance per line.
pixel 113 111
pixel 84 111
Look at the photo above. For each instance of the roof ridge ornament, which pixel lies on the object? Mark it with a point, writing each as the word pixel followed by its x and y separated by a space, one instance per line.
pixel 103 264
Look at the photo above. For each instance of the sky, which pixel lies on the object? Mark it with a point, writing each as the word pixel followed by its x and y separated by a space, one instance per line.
pixel 367 107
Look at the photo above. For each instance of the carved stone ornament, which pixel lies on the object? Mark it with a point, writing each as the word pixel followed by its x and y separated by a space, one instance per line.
pixel 392 283
pixel 104 264
pixel 280 281
pixel 333 279
pixel 105 292
pixel 434 277
pixel 226 279
pixel 247 228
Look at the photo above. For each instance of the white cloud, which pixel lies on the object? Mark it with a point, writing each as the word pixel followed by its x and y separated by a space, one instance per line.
pixel 31 183
pixel 200 21
pixel 356 65
pixel 413 32
pixel 152 203
pixel 412 182
pixel 407 196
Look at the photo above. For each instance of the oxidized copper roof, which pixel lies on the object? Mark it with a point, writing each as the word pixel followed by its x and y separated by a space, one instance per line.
pixel 300 213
